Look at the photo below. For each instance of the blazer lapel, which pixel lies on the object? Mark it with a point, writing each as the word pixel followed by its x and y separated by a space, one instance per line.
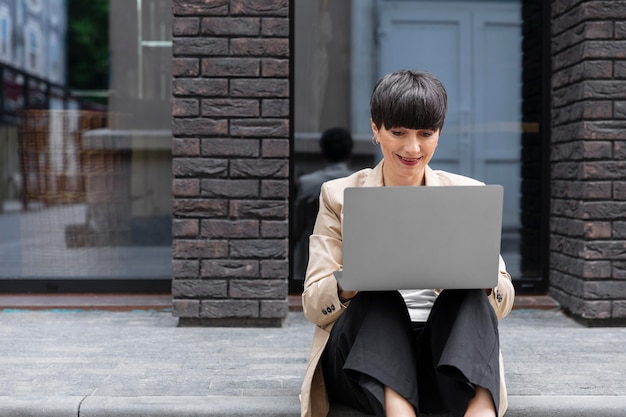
pixel 432 179
pixel 375 176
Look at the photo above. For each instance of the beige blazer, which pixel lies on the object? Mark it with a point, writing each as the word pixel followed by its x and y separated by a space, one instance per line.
pixel 320 299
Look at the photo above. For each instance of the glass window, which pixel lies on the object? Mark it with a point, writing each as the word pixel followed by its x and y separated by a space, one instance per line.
pixel 474 47
pixel 85 159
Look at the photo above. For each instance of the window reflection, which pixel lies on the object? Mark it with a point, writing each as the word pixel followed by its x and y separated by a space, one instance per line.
pixel 474 47
pixel 85 161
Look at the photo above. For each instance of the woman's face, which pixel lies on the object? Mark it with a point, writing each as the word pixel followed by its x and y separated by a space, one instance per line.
pixel 406 153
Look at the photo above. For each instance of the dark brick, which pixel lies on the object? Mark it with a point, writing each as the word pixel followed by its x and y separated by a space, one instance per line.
pixel 259 128
pixel 271 88
pixel 620 30
pixel 229 268
pixel 223 228
pixel 603 169
pixel 274 229
pixel 200 87
pixel 604 250
pixel 185 249
pixel 566 170
pixel 275 148
pixel 185 26
pixel 195 208
pixel 274 188
pixel 192 167
pixel 597 230
pixel 238 26
pixel 185 107
pixel 230 147
pixel 199 288
pixel 275 108
pixel 275 27
pixel 596 269
pixel 200 7
pixel 274 308
pixel 260 8
pixel 199 127
pixel 604 290
pixel 260 168
pixel 583 70
pixel 230 108
pixel 262 209
pixel 566 264
pixel 619 150
pixel 258 288
pixel 274 268
pixel 620 69
pixel 619 190
pixel 185 268
pixel 618 311
pixel 229 308
pixel 604 209
pixel 275 68
pixel 605 130
pixel 231 67
pixel 619 229
pixel 185 228
pixel 258 248
pixel 620 109
pixel 185 67
pixel 199 47
pixel 185 187
pixel 566 133
pixel 567 226
pixel 185 147
pixel 229 188
pixel 582 32
pixel 263 47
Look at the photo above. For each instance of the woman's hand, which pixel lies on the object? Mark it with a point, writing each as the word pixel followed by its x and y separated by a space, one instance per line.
pixel 345 296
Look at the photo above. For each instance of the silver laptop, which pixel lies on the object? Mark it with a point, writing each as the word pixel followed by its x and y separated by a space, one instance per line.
pixel 397 238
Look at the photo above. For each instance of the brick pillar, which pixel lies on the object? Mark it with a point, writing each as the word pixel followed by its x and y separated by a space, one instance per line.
pixel 588 201
pixel 231 161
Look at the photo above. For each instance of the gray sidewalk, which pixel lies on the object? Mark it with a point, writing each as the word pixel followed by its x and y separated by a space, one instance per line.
pixel 103 363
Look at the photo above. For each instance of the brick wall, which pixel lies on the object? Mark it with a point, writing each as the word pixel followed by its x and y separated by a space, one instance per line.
pixel 588 205
pixel 230 161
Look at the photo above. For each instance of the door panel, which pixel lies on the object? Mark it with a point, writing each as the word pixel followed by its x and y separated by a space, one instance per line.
pixel 497 104
pixel 419 38
pixel 474 48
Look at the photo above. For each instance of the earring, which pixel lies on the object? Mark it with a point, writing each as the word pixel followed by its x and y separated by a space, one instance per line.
pixel 374 141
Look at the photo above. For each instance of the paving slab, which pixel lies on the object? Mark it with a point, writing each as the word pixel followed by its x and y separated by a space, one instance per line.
pixel 87 362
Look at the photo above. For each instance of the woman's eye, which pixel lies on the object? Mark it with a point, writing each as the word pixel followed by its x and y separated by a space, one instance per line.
pixel 396 132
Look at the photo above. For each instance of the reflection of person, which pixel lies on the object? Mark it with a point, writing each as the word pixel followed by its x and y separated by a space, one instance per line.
pixel 400 352
pixel 336 149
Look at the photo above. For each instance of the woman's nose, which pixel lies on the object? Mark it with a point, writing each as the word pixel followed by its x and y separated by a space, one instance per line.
pixel 413 144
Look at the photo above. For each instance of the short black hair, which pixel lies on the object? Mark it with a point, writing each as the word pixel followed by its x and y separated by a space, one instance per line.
pixel 409 99
pixel 336 144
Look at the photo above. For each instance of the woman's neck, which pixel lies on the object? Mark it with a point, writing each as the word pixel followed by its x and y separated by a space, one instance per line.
pixel 390 180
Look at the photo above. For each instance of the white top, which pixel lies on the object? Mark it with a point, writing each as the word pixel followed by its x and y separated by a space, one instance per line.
pixel 419 303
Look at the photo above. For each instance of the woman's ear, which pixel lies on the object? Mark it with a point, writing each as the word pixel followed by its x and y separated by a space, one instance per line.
pixel 374 127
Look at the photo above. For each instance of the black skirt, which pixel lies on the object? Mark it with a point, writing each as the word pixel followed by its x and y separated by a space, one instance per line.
pixel 435 365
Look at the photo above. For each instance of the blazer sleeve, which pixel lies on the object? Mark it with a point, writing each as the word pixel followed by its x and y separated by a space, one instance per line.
pixel 502 296
pixel 320 300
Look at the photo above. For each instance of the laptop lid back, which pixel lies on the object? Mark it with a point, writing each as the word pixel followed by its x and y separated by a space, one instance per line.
pixel 421 237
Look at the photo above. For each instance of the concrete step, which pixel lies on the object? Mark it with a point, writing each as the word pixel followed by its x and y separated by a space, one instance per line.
pixel 269 406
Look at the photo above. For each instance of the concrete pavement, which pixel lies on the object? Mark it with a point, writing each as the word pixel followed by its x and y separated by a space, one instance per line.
pixel 139 363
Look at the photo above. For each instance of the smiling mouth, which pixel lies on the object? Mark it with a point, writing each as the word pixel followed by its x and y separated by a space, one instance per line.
pixel 409 161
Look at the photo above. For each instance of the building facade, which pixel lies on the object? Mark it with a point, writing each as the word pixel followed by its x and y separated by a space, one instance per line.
pixel 235 144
